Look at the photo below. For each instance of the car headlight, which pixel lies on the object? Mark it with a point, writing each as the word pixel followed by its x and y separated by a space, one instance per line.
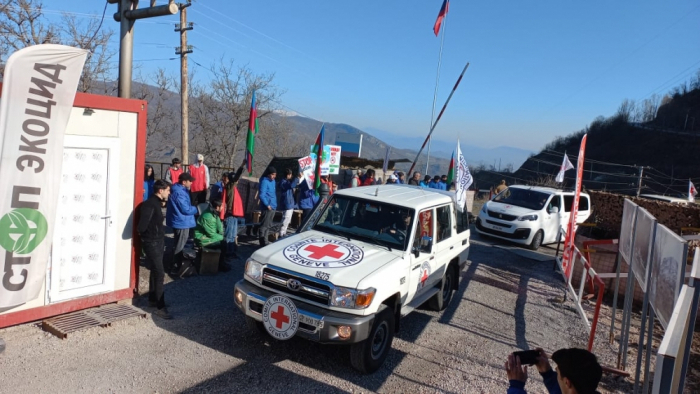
pixel 527 217
pixel 352 299
pixel 253 270
pixel 483 208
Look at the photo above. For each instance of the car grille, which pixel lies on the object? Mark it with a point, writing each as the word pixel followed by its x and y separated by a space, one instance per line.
pixel 502 216
pixel 310 289
pixel 499 224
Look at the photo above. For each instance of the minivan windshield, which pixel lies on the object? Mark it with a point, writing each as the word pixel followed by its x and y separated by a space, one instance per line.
pixel 526 198
pixel 370 221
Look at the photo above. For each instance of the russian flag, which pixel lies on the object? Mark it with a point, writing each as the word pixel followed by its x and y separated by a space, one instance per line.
pixel 443 12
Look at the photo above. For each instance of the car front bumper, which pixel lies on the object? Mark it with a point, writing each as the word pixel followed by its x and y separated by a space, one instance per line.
pixel 504 230
pixel 254 298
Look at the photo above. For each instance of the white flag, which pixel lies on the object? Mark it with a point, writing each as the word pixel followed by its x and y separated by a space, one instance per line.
pixel 37 98
pixel 565 166
pixel 463 181
pixel 386 159
pixel 692 191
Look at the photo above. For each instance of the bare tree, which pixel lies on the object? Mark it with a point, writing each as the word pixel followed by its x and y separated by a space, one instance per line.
pixel 278 140
pixel 163 124
pixel 648 108
pixel 220 110
pixel 22 24
pixel 626 110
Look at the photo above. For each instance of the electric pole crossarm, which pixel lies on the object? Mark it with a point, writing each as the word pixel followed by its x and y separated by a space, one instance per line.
pixel 149 12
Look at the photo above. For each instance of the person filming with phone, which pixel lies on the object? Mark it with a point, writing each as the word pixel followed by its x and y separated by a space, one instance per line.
pixel 578 371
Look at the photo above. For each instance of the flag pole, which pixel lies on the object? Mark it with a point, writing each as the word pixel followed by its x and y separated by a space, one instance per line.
pixel 442 111
pixel 437 85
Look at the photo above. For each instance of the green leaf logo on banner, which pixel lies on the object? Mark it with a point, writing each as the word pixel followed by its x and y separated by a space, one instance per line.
pixel 22 230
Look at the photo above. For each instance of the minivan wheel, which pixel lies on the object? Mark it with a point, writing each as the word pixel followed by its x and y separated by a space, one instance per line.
pixel 536 240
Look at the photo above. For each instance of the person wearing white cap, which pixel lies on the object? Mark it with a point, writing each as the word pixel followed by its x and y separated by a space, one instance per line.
pixel 200 172
pixel 391 179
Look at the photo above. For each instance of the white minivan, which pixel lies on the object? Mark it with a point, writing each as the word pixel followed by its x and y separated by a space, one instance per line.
pixel 530 215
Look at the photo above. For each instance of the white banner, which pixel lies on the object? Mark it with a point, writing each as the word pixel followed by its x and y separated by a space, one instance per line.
pixel 464 180
pixel 330 164
pixel 37 98
pixel 306 167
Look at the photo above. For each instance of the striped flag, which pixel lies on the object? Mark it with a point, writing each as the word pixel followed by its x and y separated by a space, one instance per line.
pixel 386 159
pixel 451 171
pixel 250 139
pixel 441 15
pixel 318 150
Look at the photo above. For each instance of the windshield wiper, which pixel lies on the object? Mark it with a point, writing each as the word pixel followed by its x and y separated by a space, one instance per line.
pixel 376 242
pixel 333 231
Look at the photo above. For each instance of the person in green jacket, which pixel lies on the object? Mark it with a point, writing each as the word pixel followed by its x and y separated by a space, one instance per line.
pixel 210 232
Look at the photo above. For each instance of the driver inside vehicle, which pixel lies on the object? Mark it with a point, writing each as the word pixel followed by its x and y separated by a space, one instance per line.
pixel 400 227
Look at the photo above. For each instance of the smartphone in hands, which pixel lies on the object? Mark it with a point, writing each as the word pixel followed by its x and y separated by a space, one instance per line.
pixel 527 357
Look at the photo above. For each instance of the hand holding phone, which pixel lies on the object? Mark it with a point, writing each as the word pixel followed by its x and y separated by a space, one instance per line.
pixel 527 357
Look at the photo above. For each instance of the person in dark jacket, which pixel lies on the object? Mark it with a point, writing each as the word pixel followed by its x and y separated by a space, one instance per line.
pixel 287 204
pixel 148 180
pixel 415 181
pixel 151 232
pixel 180 217
pixel 216 191
pixel 578 372
pixel 268 203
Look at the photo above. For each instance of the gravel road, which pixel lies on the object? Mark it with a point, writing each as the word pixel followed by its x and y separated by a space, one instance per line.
pixel 503 304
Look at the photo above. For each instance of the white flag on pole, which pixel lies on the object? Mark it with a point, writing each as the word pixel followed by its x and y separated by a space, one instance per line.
pixel 463 181
pixel 692 191
pixel 565 166
pixel 386 159
pixel 37 99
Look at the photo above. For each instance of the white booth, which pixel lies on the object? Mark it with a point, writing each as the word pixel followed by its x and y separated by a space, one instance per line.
pixel 94 259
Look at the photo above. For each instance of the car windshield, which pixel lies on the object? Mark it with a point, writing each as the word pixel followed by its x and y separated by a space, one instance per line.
pixel 526 198
pixel 383 224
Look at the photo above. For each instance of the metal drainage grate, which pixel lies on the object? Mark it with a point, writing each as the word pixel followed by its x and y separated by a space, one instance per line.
pixel 104 316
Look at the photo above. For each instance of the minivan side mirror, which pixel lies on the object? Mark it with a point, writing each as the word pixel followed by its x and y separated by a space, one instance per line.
pixel 554 210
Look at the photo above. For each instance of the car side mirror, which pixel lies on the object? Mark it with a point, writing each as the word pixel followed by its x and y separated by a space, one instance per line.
pixel 416 252
pixel 554 210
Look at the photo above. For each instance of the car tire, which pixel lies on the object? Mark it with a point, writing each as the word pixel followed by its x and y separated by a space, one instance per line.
pixel 536 240
pixel 447 286
pixel 369 355
pixel 256 327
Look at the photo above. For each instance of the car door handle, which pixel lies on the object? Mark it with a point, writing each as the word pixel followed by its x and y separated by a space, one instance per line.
pixel 464 242
pixel 105 217
pixel 432 257
pixel 452 247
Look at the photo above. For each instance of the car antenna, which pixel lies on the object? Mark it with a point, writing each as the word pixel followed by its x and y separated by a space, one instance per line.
pixel 376 192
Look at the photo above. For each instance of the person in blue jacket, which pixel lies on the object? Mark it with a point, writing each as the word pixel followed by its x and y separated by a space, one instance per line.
pixel 148 180
pixel 434 184
pixel 425 182
pixel 180 217
pixel 442 185
pixel 268 202
pixel 288 204
pixel 307 200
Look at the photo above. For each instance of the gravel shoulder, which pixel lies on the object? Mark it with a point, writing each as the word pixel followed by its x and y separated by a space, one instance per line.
pixel 503 304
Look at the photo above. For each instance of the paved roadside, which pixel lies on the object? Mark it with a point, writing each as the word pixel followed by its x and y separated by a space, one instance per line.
pixel 502 305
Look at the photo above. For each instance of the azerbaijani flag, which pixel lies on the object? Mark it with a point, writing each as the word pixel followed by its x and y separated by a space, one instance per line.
pixel 250 139
pixel 443 12
pixel 318 150
pixel 451 171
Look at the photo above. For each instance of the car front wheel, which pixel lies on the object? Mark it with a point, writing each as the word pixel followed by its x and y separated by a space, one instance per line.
pixel 536 240
pixel 369 355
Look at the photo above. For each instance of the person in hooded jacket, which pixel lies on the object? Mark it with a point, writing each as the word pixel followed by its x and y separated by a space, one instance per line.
pixel 268 203
pixel 180 217
pixel 288 204
pixel 148 180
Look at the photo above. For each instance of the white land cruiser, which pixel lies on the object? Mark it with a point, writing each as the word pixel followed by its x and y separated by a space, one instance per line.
pixel 363 260
pixel 530 215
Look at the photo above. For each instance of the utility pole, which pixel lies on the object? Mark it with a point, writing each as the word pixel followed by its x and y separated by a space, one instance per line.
pixel 183 27
pixel 126 15
pixel 641 174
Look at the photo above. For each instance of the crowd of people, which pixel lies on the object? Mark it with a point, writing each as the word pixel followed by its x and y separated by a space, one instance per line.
pixel 211 216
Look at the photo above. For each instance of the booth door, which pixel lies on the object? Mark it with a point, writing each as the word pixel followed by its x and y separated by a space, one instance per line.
pixel 83 252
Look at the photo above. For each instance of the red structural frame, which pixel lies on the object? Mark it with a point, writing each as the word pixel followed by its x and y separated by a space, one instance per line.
pixel 139 107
